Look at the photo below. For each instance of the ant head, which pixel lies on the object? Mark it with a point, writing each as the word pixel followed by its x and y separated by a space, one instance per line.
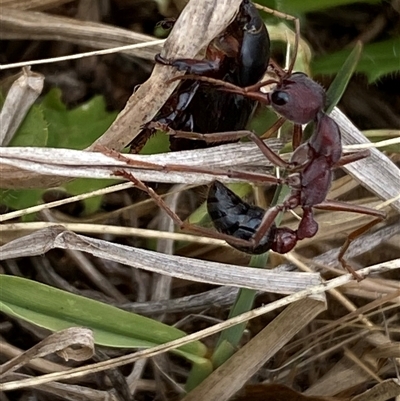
pixel 298 98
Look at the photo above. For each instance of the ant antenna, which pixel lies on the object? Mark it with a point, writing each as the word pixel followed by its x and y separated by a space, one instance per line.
pixel 296 21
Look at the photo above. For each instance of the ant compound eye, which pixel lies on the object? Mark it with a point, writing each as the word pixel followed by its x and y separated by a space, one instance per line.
pixel 280 98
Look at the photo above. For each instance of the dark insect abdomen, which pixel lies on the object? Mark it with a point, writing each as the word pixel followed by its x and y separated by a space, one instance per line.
pixel 231 215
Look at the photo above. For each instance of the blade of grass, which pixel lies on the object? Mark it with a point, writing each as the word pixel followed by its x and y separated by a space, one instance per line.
pixel 245 300
pixel 339 84
pixel 56 310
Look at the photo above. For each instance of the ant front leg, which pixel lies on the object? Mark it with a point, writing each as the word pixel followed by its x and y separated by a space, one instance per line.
pixel 230 136
pixel 273 128
pixel 297 136
pixel 287 17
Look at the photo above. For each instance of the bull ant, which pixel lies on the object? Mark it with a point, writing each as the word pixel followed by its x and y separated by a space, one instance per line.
pixel 308 173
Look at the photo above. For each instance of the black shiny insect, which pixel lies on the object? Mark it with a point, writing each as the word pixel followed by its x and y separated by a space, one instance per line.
pixel 231 215
pixel 240 56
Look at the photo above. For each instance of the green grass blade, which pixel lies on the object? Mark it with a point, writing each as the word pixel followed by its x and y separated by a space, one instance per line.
pixel 305 6
pixel 378 59
pixel 55 310
pixel 339 84
pixel 230 338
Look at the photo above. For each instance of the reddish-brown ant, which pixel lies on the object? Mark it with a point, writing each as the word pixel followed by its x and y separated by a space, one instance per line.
pixel 299 99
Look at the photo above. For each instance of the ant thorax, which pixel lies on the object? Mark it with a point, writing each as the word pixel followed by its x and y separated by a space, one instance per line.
pixel 294 181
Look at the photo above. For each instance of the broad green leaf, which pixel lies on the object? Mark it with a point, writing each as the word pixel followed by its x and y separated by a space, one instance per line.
pixel 198 373
pixel 21 198
pixel 76 128
pixel 83 185
pixel 378 59
pixel 52 124
pixel 55 310
pixel 339 84
pixel 24 198
pixel 33 131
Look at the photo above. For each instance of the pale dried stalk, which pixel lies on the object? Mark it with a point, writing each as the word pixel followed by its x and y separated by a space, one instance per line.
pixel 17 24
pixel 171 265
pixel 62 343
pixel 74 163
pixel 21 96
pixel 9 351
pixel 32 4
pixel 73 392
pixel 380 392
pixel 233 374
pixel 377 172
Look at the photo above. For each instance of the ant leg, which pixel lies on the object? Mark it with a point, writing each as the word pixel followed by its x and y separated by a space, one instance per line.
pixel 254 178
pixel 266 223
pixel 350 238
pixel 217 137
pixel 251 92
pixel 134 163
pixel 347 207
pixel 241 175
pixel 219 83
pixel 176 219
pixel 287 17
pixel 352 157
pixel 297 136
pixel 274 127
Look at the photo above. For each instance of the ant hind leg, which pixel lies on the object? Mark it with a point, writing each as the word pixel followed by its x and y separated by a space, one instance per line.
pixel 350 238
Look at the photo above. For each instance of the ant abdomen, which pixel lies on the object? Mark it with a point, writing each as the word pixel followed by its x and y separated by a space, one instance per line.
pixel 298 98
pixel 231 215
